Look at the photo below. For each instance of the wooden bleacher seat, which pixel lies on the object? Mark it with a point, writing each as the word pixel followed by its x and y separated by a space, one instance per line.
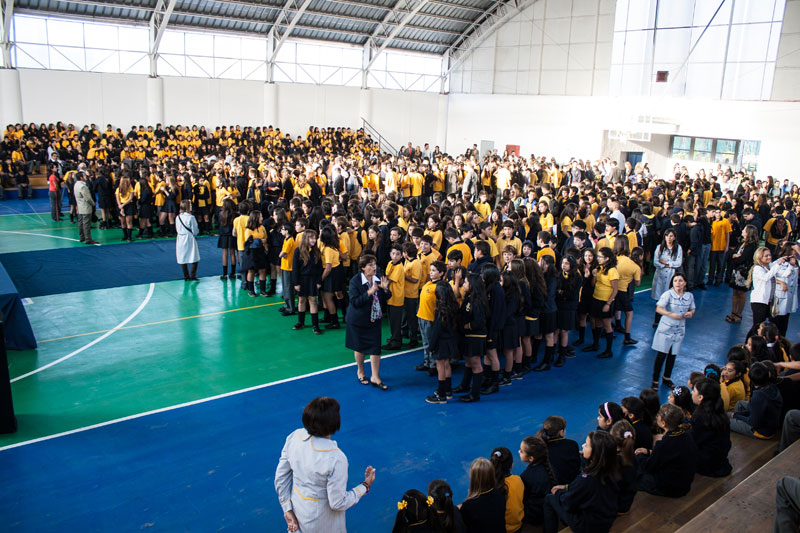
pixel 657 514
pixel 750 506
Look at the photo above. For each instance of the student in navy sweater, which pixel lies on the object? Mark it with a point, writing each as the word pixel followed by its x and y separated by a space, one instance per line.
pixel 669 469
pixel 635 412
pixel 496 312
pixel 537 478
pixel 711 430
pixel 563 454
pixel 761 416
pixel 623 434
pixel 589 503
pixel 484 510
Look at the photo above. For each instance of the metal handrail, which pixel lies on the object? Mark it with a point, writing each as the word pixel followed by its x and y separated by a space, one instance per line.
pixel 373 132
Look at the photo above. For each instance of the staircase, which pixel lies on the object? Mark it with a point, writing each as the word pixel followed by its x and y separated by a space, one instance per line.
pixel 383 142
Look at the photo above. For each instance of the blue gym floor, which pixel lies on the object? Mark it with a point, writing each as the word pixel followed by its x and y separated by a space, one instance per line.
pixel 210 465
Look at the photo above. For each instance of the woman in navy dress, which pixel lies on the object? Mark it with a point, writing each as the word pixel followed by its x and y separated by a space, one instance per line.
pixel 367 292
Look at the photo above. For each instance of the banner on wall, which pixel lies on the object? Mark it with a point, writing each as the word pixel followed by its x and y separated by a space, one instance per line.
pixel 512 149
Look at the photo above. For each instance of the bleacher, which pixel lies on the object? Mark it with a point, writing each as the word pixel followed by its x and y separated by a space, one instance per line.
pixel 38 185
pixel 741 502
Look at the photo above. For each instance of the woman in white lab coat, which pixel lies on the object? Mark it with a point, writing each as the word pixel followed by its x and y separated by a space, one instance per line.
pixel 186 249
pixel 311 478
pixel 667 259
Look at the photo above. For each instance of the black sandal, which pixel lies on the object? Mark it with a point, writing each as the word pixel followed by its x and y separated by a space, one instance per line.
pixel 364 380
pixel 380 385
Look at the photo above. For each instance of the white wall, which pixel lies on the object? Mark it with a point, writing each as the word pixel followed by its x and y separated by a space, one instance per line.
pixel 122 100
pixel 566 127
pixel 555 47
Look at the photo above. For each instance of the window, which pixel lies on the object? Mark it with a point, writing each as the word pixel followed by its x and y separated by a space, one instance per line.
pixel 44 42
pixel 653 35
pixel 703 149
pixel 722 151
pixel 681 147
pixel 750 150
pixel 48 43
pixel 725 152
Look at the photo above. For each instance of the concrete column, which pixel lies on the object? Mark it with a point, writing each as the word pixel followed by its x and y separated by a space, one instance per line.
pixel 155 101
pixel 11 101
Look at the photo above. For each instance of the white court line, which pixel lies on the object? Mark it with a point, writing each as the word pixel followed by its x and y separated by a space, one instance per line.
pixel 98 339
pixel 196 402
pixel 202 400
pixel 44 235
pixel 35 213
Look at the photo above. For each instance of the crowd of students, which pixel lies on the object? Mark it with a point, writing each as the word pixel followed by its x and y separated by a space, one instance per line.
pixel 638 446
pixel 491 259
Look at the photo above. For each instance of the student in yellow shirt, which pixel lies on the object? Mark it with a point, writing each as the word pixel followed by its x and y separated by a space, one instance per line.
pixel 413 272
pixel 543 241
pixel 286 256
pixel 630 276
pixel 425 314
pixel 332 275
pixel 720 242
pixel 395 271
pixel 434 231
pixel 508 239
pixel 254 258
pixel 239 227
pixel 606 286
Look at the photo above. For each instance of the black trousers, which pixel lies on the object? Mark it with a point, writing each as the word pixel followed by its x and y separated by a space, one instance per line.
pixel 670 357
pixel 395 319
pixel 760 314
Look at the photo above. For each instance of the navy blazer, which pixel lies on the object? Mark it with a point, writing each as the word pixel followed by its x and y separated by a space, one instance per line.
pixel 360 308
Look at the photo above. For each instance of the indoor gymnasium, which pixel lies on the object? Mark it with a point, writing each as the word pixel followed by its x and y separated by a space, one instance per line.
pixel 555 241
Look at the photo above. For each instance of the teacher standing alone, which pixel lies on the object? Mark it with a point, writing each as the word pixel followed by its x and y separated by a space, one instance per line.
pixel 186 250
pixel 311 478
pixel 363 336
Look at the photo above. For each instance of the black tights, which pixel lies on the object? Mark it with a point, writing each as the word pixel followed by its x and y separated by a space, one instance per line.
pixel 670 357
pixel 186 274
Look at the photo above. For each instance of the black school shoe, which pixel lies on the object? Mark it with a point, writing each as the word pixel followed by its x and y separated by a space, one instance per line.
pixel 436 398
pixel 469 398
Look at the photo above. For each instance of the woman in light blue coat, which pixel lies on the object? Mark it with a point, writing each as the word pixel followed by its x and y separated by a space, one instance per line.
pixel 667 259
pixel 311 478
pixel 675 306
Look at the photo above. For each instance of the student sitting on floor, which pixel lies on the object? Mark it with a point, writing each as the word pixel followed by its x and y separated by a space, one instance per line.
pixel 669 469
pixel 623 434
pixel 484 510
pixel 607 414
pixel 634 410
pixel 760 417
pixel 414 513
pixel 538 478
pixel 448 515
pixel 682 397
pixel 563 453
pixel 711 430
pixel 732 374
pixel 502 460
pixel 589 503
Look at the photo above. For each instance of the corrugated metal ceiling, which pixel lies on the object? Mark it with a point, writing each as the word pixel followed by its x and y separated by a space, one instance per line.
pixel 433 29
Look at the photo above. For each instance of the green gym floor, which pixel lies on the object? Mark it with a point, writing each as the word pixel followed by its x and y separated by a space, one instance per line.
pixel 182 343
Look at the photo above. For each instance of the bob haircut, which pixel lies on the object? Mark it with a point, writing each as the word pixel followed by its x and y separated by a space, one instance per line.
pixel 321 417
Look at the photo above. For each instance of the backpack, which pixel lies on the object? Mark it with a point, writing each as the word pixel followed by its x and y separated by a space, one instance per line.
pixel 779 228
